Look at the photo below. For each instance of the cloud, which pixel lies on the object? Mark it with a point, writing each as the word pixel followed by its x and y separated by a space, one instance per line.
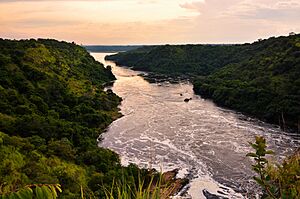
pixel 118 22
pixel 208 6
pixel 243 20
pixel 5 1
pixel 166 31
pixel 149 21
pixel 255 9
pixel 39 23
pixel 279 10
pixel 192 6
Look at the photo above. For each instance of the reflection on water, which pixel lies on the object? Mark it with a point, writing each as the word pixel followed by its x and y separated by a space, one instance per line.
pixel 206 142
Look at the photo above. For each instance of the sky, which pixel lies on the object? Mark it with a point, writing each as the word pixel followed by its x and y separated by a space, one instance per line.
pixel 112 22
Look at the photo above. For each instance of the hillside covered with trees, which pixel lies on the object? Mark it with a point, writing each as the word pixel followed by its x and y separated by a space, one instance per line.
pixel 261 79
pixel 177 60
pixel 52 110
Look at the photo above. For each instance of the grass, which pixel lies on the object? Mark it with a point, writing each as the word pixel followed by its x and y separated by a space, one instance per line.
pixel 155 189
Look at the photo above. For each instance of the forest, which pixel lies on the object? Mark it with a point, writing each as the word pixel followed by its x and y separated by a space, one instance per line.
pixel 261 79
pixel 52 110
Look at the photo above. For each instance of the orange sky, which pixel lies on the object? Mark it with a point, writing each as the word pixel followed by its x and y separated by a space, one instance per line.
pixel 149 21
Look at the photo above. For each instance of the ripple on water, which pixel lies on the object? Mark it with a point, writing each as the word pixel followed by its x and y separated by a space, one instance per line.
pixel 207 143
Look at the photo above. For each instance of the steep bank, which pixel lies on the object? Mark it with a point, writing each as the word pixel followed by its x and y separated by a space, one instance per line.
pixel 52 110
pixel 260 79
pixel 266 86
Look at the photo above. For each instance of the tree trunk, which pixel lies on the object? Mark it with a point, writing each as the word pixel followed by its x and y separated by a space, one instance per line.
pixel 298 125
pixel 279 122
pixel 283 122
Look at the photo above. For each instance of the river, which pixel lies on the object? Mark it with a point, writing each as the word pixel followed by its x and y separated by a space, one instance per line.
pixel 207 143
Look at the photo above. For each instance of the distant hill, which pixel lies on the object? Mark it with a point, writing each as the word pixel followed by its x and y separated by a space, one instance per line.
pixel 261 79
pixel 179 59
pixel 101 48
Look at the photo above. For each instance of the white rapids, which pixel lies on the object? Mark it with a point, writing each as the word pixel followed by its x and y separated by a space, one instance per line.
pixel 207 143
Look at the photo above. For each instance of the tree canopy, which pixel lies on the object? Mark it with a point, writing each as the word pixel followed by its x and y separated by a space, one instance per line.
pixel 52 110
pixel 260 79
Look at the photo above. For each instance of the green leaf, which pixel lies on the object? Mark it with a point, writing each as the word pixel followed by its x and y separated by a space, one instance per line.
pixel 284 195
pixel 39 193
pixel 254 146
pixel 251 155
pixel 81 191
pixel 47 192
pixel 264 160
pixel 3 197
pixel 268 178
pixel 293 192
pixel 256 170
pixel 58 188
pixel 12 196
pixel 270 152
pixel 273 190
pixel 53 190
pixel 259 181
pixel 25 193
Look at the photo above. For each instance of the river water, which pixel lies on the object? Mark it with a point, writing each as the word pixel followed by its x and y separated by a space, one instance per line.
pixel 207 143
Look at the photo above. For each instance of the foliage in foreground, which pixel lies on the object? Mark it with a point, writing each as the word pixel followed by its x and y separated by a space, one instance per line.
pixel 35 191
pixel 277 181
pixel 52 110
pixel 149 185
pixel 152 187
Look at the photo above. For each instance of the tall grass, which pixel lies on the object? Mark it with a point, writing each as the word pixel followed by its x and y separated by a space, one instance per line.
pixel 154 189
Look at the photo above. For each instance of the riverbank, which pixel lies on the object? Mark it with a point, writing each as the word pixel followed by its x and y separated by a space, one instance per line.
pixel 206 143
pixel 52 110
pixel 258 79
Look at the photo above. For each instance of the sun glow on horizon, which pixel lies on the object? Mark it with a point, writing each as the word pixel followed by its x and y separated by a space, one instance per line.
pixel 148 21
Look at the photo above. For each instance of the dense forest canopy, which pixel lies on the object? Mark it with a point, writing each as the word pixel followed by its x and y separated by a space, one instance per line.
pixel 261 79
pixel 176 60
pixel 52 110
